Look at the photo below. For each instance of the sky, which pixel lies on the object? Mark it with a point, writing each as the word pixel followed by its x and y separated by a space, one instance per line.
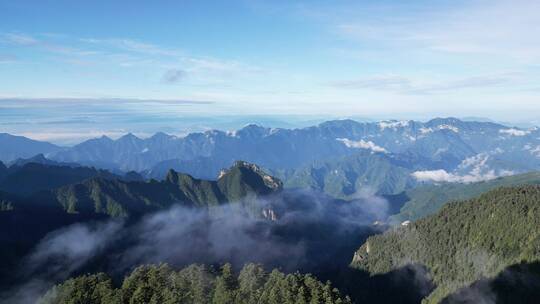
pixel 76 69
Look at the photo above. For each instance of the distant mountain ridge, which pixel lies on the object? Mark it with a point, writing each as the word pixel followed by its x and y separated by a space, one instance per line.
pixel 27 176
pixel 13 147
pixel 440 150
pixel 39 159
pixel 448 140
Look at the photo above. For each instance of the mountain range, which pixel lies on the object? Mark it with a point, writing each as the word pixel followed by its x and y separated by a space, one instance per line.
pixel 340 157
pixel 417 195
pixel 484 227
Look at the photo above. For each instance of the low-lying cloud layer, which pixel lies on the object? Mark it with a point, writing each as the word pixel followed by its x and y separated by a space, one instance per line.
pixel 472 169
pixel 362 144
pixel 309 231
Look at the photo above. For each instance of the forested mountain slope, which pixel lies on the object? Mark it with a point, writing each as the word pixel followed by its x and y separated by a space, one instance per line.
pixel 464 241
pixel 117 198
pixel 518 283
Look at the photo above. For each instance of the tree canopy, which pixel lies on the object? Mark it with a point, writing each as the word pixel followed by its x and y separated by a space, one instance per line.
pixel 197 284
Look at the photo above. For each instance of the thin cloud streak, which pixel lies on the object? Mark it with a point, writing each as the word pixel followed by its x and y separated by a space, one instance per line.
pixel 22 102
pixel 412 86
pixel 129 53
pixel 25 40
pixel 191 64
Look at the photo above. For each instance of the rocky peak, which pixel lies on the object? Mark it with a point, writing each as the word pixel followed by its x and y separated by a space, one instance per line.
pixel 253 130
pixel 130 137
pixel 173 177
pixel 268 180
pixel 160 136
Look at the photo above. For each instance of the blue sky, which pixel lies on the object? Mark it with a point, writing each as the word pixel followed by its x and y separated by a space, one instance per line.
pixel 91 63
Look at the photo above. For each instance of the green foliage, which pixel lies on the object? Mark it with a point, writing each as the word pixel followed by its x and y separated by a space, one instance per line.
pixel 464 241
pixel 148 284
pixel 251 282
pixel 196 284
pixel 96 289
pixel 118 198
pixel 226 286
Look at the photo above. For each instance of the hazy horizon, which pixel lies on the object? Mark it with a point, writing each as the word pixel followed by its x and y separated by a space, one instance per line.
pixel 80 130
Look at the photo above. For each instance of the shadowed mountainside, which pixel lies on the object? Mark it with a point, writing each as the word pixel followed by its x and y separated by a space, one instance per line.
pixel 464 241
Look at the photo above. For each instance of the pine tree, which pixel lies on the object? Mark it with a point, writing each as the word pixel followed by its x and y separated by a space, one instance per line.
pixel 225 286
pixel 250 284
pixel 301 297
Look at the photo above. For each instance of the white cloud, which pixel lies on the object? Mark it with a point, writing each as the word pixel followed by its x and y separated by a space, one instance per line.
pixel 426 130
pixel 475 168
pixel 444 176
pixel 514 132
pixel 362 144
pixel 477 162
pixel 448 127
pixel 393 124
